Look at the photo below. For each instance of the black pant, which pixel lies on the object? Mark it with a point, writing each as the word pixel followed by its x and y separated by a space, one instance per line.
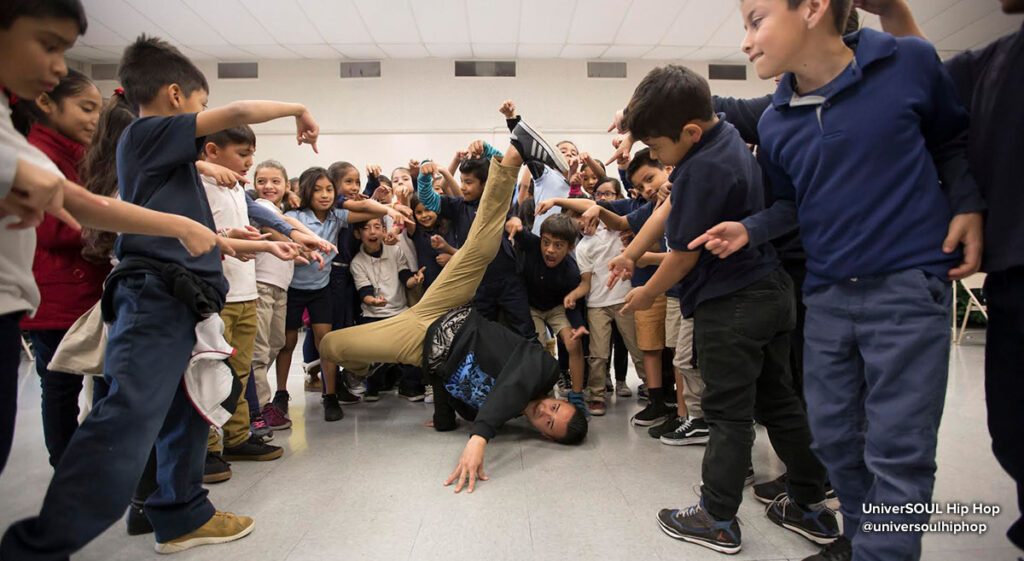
pixel 60 394
pixel 10 358
pixel 411 377
pixel 1004 379
pixel 743 344
pixel 620 355
pixel 797 270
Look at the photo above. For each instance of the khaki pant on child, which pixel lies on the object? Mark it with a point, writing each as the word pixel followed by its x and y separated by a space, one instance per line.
pixel 271 309
pixel 600 320
pixel 650 326
pixel 693 383
pixel 400 338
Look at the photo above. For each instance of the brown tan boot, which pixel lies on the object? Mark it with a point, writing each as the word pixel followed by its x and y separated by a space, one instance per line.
pixel 222 528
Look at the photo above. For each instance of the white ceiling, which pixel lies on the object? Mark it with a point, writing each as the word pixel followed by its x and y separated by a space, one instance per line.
pixel 245 30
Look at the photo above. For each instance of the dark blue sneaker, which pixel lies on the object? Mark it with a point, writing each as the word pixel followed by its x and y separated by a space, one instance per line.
pixel 819 526
pixel 695 525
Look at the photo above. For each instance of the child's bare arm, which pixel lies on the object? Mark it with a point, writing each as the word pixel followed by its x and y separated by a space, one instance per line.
pixel 249 112
pixel 575 205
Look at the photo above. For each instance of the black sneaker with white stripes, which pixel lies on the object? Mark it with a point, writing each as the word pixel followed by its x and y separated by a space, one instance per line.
pixel 532 147
pixel 693 431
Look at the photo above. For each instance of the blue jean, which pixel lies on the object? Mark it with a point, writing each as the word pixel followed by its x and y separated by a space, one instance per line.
pixel 876 362
pixel 148 349
pixel 60 394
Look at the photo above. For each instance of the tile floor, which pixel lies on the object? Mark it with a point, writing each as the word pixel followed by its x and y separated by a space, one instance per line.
pixel 369 487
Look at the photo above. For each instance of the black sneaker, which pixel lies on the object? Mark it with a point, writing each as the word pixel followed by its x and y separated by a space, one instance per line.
pixel 332 409
pixel 652 415
pixel 412 393
pixel 281 399
pixel 216 469
pixel 346 397
pixel 693 431
pixel 839 550
pixel 137 522
pixel 252 450
pixel 372 394
pixel 695 525
pixel 820 526
pixel 668 426
pixel 771 491
pixel 532 147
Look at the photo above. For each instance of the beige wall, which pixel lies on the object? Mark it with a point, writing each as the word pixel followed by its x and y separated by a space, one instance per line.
pixel 417 108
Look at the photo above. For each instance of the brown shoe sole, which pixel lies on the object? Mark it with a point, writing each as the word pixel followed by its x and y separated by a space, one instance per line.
pixel 217 477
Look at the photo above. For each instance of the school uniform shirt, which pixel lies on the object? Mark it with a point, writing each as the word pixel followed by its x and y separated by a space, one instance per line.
pixel 547 287
pixel 990 82
pixel 156 169
pixel 744 114
pixel 380 275
pixel 310 277
pixel 638 211
pixel 593 254
pixel 229 211
pixel 853 157
pixel 68 283
pixel 718 180
pixel 269 269
pixel 549 185
pixel 426 255
pixel 18 291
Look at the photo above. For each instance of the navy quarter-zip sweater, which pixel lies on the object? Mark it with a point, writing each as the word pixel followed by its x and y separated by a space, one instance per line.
pixel 853 161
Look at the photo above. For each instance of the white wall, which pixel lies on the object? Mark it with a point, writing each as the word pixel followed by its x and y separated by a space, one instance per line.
pixel 418 109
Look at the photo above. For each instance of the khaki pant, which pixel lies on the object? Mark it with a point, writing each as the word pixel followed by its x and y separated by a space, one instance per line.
pixel 600 320
pixel 554 318
pixel 271 309
pixel 693 383
pixel 400 338
pixel 240 332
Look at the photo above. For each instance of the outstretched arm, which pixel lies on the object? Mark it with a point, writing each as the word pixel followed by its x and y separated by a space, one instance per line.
pixel 251 112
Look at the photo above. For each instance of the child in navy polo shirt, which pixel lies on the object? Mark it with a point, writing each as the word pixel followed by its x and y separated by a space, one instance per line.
pixel 881 236
pixel 742 309
pixel 147 402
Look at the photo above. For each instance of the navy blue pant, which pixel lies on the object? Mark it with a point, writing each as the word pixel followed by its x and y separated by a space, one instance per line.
pixel 876 362
pixel 148 350
pixel 505 300
pixel 1004 379
pixel 60 394
pixel 10 358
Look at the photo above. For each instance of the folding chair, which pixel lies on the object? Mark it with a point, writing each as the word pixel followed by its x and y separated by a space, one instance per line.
pixel 970 284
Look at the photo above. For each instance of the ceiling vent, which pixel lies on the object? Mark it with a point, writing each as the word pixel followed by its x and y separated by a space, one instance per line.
pixel 606 70
pixel 104 72
pixel 727 72
pixel 485 68
pixel 235 70
pixel 360 69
